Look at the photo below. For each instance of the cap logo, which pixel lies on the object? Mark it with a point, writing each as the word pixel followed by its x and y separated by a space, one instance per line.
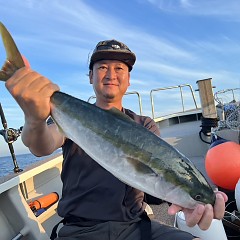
pixel 114 46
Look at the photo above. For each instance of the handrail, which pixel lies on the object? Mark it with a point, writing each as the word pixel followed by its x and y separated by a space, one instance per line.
pixel 127 93
pixel 232 90
pixel 171 87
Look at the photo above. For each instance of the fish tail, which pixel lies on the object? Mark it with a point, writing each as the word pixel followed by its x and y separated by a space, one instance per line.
pixel 14 59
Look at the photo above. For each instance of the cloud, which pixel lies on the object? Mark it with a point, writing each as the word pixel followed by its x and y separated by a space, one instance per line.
pixel 216 8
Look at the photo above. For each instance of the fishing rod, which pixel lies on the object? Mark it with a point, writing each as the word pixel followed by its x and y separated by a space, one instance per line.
pixel 10 135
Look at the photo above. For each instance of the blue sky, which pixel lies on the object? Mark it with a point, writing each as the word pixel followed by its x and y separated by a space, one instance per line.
pixel 176 42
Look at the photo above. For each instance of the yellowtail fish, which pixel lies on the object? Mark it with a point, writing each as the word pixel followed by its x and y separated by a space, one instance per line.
pixel 129 151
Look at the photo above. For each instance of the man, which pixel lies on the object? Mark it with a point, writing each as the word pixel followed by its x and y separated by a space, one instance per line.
pixel 95 204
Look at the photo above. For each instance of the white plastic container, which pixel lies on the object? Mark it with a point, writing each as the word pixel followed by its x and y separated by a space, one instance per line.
pixel 215 231
pixel 237 195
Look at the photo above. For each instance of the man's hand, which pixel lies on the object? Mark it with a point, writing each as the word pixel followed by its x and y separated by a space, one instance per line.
pixel 32 92
pixel 202 215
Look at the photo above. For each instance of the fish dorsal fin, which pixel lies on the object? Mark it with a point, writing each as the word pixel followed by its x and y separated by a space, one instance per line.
pixel 120 114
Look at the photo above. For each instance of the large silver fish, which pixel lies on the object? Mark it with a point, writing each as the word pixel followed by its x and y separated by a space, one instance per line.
pixel 126 149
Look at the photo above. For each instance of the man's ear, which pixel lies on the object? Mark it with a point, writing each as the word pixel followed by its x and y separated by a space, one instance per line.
pixel 129 79
pixel 90 75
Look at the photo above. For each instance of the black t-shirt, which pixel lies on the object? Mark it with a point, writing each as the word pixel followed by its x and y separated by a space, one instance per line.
pixel 91 192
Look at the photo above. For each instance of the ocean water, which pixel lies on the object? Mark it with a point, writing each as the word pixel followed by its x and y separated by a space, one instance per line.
pixel 23 160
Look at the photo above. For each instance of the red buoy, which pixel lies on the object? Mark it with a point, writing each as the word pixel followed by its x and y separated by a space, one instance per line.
pixel 223 164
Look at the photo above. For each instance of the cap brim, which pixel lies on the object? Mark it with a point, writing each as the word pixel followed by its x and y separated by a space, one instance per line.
pixel 128 58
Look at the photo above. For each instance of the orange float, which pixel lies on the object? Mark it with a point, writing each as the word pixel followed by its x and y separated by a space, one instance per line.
pixel 222 163
pixel 44 202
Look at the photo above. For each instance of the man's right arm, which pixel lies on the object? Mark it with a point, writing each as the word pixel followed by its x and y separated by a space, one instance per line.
pixel 32 92
pixel 42 139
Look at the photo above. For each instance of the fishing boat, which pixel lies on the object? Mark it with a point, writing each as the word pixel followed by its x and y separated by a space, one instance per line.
pixel 29 198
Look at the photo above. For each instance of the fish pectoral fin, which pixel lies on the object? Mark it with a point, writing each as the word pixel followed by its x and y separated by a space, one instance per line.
pixel 141 167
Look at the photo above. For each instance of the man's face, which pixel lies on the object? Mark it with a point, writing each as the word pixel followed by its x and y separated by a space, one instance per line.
pixel 110 79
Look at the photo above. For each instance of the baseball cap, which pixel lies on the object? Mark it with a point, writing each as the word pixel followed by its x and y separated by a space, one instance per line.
pixel 112 50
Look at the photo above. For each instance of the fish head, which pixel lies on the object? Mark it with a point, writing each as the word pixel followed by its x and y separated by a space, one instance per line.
pixel 184 183
pixel 194 184
pixel 203 196
pixel 202 192
pixel 184 194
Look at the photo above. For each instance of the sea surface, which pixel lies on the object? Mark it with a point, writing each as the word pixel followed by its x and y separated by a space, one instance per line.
pixel 23 160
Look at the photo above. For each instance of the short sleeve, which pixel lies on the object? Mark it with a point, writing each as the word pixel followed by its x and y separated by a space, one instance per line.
pixel 151 125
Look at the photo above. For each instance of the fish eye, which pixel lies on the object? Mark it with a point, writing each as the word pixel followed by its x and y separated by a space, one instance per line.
pixel 198 197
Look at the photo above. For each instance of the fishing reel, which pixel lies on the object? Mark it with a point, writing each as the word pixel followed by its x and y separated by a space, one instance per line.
pixel 10 135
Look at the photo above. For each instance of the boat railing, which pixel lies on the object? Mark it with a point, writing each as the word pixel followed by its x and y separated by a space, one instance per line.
pixel 227 96
pixel 127 93
pixel 182 97
pixel 180 87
